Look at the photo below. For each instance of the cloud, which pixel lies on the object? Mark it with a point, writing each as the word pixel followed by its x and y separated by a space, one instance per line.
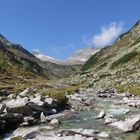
pixel 107 36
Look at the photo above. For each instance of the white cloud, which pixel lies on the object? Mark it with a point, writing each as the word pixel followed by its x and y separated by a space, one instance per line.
pixel 107 35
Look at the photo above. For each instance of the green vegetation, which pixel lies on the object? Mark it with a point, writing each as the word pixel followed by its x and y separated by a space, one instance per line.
pixel 92 61
pixel 3 65
pixel 124 59
pixel 103 65
pixel 104 75
pixel 59 93
pixel 133 89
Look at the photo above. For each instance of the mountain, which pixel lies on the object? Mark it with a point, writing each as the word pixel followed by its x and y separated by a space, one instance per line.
pixel 116 66
pixel 80 56
pixel 77 58
pixel 44 57
pixel 17 61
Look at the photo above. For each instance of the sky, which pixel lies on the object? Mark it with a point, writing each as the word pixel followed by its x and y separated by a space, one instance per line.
pixel 59 27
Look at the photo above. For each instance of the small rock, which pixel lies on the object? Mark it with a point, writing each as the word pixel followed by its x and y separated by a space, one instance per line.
pixel 24 93
pixel 101 115
pixel 54 122
pixel 42 117
pixel 109 120
pixel 103 135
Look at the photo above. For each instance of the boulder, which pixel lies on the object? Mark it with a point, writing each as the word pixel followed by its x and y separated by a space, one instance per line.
pixel 42 117
pixel 29 120
pixel 101 115
pixel 4 92
pixel 24 110
pixel 25 92
pixel 35 135
pixel 109 120
pixel 51 103
pixel 35 109
pixel 16 103
pixel 103 135
pixel 12 120
pixel 101 95
pixel 76 105
pixel 54 122
pixel 37 100
pixel 129 125
pixel 90 102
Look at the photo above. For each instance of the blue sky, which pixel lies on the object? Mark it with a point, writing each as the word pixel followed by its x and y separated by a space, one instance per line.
pixel 59 27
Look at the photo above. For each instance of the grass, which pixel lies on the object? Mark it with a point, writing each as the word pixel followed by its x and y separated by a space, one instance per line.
pixel 3 65
pixel 124 59
pixel 59 93
pixel 134 89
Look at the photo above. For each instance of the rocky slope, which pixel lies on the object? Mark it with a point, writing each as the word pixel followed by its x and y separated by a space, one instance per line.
pixel 116 66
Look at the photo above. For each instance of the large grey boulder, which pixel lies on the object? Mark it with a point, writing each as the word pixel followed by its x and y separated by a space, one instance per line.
pixel 129 125
pixel 16 102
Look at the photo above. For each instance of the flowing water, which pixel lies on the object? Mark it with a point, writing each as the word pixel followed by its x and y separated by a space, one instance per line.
pixel 87 119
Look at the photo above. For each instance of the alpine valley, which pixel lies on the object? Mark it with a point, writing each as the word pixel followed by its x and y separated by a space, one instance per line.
pixel 92 95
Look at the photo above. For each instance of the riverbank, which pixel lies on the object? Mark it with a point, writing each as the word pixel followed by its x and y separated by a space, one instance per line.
pixel 89 114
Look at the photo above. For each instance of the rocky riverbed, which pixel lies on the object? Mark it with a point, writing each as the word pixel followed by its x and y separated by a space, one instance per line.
pixel 90 114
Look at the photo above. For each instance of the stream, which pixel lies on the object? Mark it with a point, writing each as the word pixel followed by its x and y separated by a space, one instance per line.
pixel 88 119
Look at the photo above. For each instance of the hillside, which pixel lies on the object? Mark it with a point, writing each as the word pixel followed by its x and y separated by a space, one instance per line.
pixel 116 66
pixel 20 69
